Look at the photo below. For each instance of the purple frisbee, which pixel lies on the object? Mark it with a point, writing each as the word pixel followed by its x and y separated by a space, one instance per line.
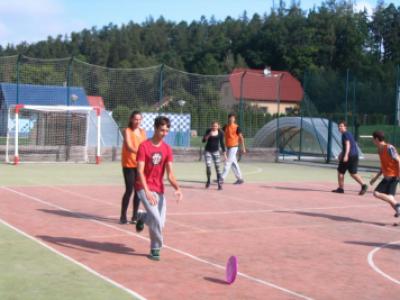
pixel 231 269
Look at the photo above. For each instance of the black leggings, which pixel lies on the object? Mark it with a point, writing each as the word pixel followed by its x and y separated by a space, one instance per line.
pixel 130 175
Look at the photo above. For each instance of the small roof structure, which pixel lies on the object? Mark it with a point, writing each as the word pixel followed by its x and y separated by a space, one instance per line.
pixel 41 95
pixel 96 101
pixel 257 86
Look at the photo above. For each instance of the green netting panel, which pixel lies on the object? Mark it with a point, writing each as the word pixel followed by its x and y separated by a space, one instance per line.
pixel 202 95
pixel 122 90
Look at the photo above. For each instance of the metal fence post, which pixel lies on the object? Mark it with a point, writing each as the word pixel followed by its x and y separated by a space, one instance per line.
pixel 277 136
pixel 241 102
pixel 346 95
pixel 18 77
pixel 161 83
pixel 301 136
pixel 69 79
pixel 353 113
pixel 329 145
pixel 396 121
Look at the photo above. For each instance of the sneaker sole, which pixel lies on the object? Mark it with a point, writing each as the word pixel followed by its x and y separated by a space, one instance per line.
pixel 154 258
pixel 139 227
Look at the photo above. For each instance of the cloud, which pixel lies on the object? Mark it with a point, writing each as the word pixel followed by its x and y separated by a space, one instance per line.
pixel 4 32
pixel 34 20
pixel 30 8
pixel 364 5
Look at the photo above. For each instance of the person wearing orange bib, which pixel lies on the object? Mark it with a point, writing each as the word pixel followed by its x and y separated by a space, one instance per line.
pixel 390 168
pixel 133 137
pixel 233 138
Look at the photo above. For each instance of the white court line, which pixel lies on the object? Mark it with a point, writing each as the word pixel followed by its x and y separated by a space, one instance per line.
pixel 80 195
pixel 115 205
pixel 277 209
pixel 375 268
pixel 255 211
pixel 271 210
pixel 90 270
pixel 176 250
pixel 257 171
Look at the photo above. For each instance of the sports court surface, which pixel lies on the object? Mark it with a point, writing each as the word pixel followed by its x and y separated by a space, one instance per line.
pixel 294 239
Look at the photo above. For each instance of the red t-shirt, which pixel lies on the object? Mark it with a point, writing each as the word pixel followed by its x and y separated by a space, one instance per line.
pixel 154 159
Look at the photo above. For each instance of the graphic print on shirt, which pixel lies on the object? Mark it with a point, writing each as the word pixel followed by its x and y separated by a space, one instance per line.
pixel 156 158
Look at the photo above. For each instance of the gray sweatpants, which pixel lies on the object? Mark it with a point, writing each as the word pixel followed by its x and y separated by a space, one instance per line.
pixel 232 162
pixel 154 217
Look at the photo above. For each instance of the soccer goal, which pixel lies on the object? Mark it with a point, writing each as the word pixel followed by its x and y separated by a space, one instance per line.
pixel 53 133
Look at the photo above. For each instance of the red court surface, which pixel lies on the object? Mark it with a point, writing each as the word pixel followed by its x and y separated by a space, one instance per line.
pixel 293 241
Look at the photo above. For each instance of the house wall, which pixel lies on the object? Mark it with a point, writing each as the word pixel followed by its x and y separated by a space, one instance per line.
pixel 271 107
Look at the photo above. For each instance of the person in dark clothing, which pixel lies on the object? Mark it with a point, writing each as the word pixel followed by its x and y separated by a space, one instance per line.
pixel 214 138
pixel 348 160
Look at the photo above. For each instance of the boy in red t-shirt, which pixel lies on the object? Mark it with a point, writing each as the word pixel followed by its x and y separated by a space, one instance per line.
pixel 154 157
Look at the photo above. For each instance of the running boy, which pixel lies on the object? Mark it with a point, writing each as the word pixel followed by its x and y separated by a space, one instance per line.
pixel 154 158
pixel 214 138
pixel 348 160
pixel 390 168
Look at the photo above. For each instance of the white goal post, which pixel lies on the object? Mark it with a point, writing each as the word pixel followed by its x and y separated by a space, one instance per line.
pixel 48 133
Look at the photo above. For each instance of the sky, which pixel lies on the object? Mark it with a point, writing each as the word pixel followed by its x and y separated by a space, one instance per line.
pixel 35 20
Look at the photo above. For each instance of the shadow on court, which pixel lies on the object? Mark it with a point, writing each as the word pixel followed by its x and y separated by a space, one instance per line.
pixel 89 246
pixel 78 215
pixel 215 280
pixel 295 189
pixel 373 244
pixel 332 217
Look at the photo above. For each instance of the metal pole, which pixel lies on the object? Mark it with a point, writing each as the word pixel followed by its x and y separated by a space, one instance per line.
pixel 161 95
pixel 18 78
pixel 241 103
pixel 16 142
pixel 346 96
pixel 353 113
pixel 98 152
pixel 277 136
pixel 397 113
pixel 69 73
pixel 329 146
pixel 301 136
pixel 68 120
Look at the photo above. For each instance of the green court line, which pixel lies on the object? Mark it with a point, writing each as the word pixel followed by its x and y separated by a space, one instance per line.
pixel 30 270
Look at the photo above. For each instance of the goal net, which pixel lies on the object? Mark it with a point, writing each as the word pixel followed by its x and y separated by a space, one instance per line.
pixel 51 133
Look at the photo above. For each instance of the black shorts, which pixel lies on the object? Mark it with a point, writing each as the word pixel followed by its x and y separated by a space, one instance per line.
pixel 351 165
pixel 387 186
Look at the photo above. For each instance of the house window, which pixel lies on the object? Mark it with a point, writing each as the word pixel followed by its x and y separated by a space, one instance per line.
pixel 288 110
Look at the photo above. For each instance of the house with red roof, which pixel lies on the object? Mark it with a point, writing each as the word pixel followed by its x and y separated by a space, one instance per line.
pixel 262 90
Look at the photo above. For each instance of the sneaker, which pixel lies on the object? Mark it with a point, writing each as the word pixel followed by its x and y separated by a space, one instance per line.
pixel 123 221
pixel 139 226
pixel 239 181
pixel 134 219
pixel 397 209
pixel 364 189
pixel 207 185
pixel 338 190
pixel 219 187
pixel 155 254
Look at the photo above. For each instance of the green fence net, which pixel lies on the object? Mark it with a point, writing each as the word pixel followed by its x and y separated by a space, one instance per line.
pixel 298 129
